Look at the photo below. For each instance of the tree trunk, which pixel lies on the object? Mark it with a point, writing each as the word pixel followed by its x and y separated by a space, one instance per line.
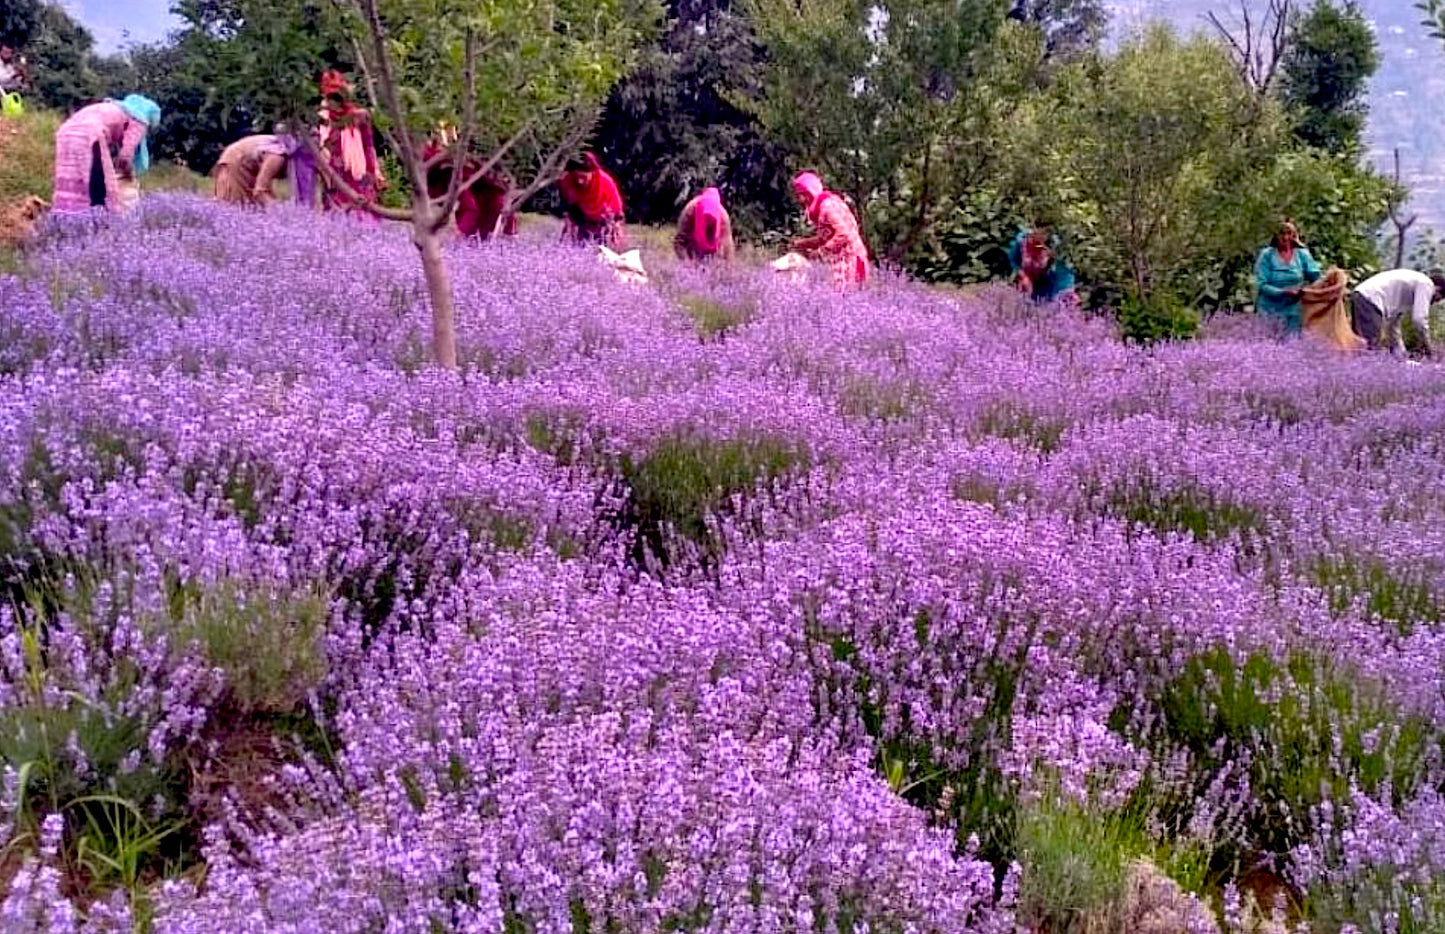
pixel 1402 225
pixel 439 288
pixel 1140 266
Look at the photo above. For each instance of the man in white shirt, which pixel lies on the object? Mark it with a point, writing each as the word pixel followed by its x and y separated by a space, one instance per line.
pixel 1379 304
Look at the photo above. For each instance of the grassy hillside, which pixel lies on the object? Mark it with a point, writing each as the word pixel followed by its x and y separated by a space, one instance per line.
pixel 27 158
pixel 27 153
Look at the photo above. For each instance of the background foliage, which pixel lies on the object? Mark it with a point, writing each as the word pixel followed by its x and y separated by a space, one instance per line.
pixel 946 124
pixel 673 127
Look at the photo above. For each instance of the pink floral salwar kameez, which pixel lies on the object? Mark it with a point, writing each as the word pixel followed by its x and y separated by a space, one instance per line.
pixel 837 240
pixel 87 147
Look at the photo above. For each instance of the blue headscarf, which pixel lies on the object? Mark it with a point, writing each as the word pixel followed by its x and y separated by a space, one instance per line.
pixel 141 108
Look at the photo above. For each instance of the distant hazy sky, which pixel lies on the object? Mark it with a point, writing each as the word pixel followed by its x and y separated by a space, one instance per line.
pixel 118 23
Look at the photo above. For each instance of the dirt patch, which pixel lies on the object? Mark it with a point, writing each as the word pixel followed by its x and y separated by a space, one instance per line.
pixel 241 770
pixel 17 219
pixel 18 215
pixel 1269 889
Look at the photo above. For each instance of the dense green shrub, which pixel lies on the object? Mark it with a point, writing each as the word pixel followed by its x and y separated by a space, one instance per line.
pixel 970 239
pixel 1160 317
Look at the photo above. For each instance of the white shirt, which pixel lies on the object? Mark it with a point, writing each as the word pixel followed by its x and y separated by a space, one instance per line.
pixel 1400 290
pixel 9 76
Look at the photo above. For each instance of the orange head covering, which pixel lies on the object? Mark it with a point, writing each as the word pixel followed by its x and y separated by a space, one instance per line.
pixel 598 197
pixel 707 221
pixel 334 82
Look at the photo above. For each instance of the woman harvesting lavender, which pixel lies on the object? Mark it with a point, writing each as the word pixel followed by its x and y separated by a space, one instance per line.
pixel 248 168
pixel 836 237
pixel 593 203
pixel 1039 270
pixel 100 147
pixel 348 148
pixel 704 230
pixel 1281 273
pixel 482 207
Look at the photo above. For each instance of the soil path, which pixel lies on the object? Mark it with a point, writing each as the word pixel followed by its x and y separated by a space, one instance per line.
pixel 17 216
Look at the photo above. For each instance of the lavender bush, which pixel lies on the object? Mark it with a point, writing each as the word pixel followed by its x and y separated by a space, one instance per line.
pixel 719 604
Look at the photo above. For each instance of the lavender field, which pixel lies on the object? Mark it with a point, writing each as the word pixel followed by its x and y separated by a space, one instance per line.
pixel 715 605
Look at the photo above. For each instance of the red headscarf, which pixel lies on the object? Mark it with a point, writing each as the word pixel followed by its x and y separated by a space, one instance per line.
pixel 334 82
pixel 707 220
pixel 1036 258
pixel 599 197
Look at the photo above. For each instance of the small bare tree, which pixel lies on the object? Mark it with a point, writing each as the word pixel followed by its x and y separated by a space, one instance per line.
pixel 1256 40
pixel 540 72
pixel 1398 197
pixel 524 82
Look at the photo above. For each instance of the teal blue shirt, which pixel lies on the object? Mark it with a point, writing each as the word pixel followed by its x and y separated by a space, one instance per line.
pixel 1273 277
pixel 1055 282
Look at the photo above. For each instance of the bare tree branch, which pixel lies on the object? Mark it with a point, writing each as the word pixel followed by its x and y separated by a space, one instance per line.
pixel 339 183
pixel 370 83
pixel 547 172
pixel 1257 48
pixel 1240 53
pixel 387 81
pixel 1283 12
pixel 464 138
pixel 498 156
pixel 1402 225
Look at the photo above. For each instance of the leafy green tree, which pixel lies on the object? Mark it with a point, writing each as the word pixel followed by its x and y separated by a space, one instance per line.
pixel 673 127
pixel 19 21
pixel 524 82
pixel 252 59
pixel 65 72
pixel 1001 172
pixel 1070 28
pixel 196 122
pixel 1338 202
pixel 1172 173
pixel 114 75
pixel 1138 144
pixel 879 97
pixel 1325 73
pixel 60 54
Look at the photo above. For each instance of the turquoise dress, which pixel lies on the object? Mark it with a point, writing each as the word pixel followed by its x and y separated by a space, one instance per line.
pixel 1273 276
pixel 1052 284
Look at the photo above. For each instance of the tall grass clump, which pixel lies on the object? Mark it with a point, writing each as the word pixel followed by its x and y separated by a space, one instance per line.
pixel 685 482
pixel 1299 733
pixel 1096 870
pixel 27 155
pixel 715 318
